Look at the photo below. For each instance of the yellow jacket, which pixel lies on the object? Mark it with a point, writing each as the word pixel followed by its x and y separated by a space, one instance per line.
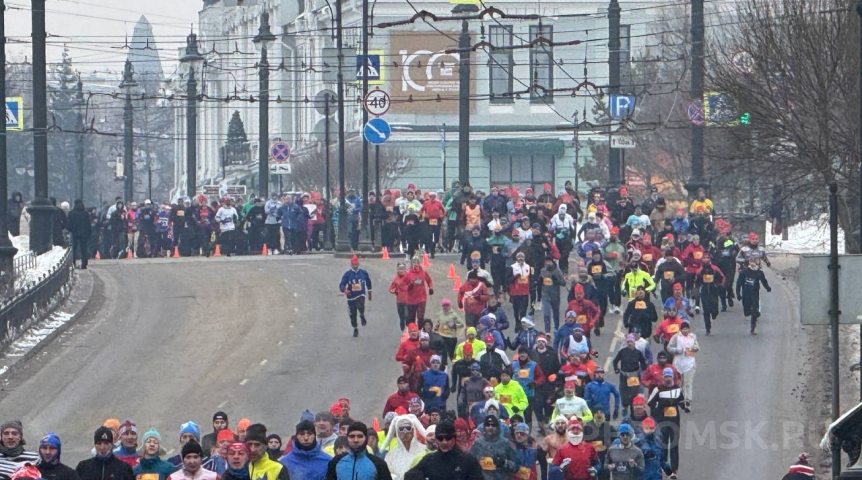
pixel 511 395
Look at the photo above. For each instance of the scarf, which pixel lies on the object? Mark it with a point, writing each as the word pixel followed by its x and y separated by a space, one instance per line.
pixel 239 473
pixel 11 452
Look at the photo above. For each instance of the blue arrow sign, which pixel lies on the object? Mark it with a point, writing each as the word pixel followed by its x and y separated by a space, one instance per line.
pixel 377 131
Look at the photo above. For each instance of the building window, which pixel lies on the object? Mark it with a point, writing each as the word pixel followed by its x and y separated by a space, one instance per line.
pixel 522 171
pixel 541 63
pixel 501 64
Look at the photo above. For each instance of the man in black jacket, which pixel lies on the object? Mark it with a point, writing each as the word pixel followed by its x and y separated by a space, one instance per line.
pixel 448 462
pixel 104 465
pixel 49 460
pixel 81 229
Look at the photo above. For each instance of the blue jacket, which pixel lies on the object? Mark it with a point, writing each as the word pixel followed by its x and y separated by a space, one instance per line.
pixel 357 283
pixel 432 379
pixel 307 464
pixel 502 319
pixel 526 338
pixel 562 333
pixel 680 225
pixel 598 394
pixel 357 466
pixel 654 456
pixel 525 377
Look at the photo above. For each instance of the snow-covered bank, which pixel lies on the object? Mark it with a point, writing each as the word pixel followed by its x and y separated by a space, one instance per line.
pixel 44 263
pixel 811 236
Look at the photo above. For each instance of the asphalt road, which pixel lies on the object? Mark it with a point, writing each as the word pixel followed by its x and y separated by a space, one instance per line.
pixel 170 340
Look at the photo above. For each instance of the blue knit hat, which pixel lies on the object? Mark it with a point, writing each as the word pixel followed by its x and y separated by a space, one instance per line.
pixel 52 440
pixel 191 427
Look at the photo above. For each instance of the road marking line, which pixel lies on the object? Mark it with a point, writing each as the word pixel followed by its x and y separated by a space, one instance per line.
pixel 244 381
pixel 618 331
pixel 263 362
pixel 222 404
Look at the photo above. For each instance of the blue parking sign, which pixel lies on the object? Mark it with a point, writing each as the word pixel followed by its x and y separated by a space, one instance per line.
pixel 621 106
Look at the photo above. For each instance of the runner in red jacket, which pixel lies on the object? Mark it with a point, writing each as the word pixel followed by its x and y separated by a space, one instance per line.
pixel 587 312
pixel 577 459
pixel 398 287
pixel 417 280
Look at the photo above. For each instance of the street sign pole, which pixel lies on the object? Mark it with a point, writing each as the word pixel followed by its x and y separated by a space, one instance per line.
pixel 834 313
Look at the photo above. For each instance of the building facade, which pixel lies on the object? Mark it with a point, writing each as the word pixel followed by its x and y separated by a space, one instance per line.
pixel 529 77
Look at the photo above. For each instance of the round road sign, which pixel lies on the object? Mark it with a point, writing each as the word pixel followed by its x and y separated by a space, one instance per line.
pixel 280 152
pixel 377 102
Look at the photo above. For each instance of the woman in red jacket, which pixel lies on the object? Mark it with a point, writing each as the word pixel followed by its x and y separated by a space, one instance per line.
pixel 398 287
pixel 417 279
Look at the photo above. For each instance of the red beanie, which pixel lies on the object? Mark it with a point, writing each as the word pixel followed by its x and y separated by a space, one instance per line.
pixel 638 400
pixel 677 287
pixel 225 434
pixel 648 423
pixel 579 288
pixel 354 260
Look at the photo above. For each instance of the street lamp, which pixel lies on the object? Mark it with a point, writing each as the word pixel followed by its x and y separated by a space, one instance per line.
pixel 464 51
pixel 262 41
pixel 128 84
pixel 79 144
pixel 193 59
pixel 7 250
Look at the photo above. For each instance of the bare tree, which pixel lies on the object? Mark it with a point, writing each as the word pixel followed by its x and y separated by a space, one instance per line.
pixel 309 168
pixel 793 67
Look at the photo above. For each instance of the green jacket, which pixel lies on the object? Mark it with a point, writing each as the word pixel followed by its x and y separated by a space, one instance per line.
pixel 635 279
pixel 511 395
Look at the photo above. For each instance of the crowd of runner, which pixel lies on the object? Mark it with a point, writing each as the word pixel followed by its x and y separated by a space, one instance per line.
pixel 487 390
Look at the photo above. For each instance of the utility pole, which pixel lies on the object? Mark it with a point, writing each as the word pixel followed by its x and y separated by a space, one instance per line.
pixel 464 51
pixel 697 179
pixel 576 145
pixel 7 251
pixel 342 242
pixel 834 313
pixel 365 243
pixel 329 238
pixel 79 144
pixel 615 176
pixel 859 11
pixel 263 40
pixel 443 153
pixel 192 58
pixel 128 84
pixel 41 210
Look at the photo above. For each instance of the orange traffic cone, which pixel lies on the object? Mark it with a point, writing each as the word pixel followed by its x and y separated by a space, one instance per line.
pixel 217 250
pixel 457 285
pixel 129 254
pixel 176 252
pixel 98 255
pixel 452 273
pixel 425 262
pixel 385 254
pixel 265 252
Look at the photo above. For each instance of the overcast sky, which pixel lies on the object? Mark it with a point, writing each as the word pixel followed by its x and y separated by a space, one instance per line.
pixel 91 28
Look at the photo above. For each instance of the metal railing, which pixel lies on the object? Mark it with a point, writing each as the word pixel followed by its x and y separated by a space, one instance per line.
pixel 22 263
pixel 32 302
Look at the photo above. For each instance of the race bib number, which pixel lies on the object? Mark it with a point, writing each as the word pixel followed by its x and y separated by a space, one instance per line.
pixel 418 281
pixel 689 352
pixel 181 213
pixel 595 269
pixel 640 305
pixel 356 287
pixel 436 390
pixel 523 473
pixel 598 446
pixel 475 255
pixel 495 250
pixel 633 382
pixel 524 373
pixel 148 476
pixel 707 278
pixel 673 328
pixel 547 281
pixel 668 276
pixel 622 467
pixel 698 255
pixel 522 279
pixel 389 209
pixel 613 255
pixel 487 463
pixel 432 221
pixel 647 257
pixel 506 399
pixel 582 319
pixel 670 412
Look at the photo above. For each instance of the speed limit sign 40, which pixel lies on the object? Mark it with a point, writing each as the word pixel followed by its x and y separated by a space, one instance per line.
pixel 377 102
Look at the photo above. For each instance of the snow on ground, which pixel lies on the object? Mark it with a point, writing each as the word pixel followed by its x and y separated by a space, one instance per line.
pixel 32 337
pixel 22 243
pixel 811 236
pixel 44 264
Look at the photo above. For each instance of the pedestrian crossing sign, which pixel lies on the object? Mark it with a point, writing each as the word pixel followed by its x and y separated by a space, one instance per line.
pixel 372 67
pixel 15 113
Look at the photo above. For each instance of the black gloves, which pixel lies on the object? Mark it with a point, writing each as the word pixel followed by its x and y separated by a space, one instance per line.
pixel 430 291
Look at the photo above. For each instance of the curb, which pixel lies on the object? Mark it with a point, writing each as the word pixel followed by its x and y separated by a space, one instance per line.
pixel 85 287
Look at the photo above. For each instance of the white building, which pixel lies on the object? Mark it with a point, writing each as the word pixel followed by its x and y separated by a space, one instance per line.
pixel 524 139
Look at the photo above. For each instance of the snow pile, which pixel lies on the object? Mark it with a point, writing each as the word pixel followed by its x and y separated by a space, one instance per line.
pixel 35 335
pixel 810 236
pixel 44 264
pixel 22 243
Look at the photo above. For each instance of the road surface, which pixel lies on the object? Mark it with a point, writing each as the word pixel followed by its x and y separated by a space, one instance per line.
pixel 165 341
